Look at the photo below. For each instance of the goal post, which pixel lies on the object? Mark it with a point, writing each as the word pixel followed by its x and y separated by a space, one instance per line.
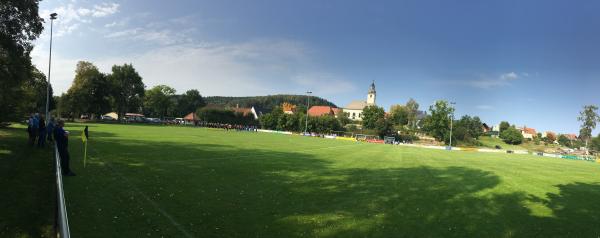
pixel 360 137
pixel 364 137
pixel 389 140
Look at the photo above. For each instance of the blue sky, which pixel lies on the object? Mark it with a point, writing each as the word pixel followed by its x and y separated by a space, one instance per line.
pixel 533 63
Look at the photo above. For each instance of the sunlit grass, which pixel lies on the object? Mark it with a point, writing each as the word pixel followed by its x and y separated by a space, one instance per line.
pixel 181 181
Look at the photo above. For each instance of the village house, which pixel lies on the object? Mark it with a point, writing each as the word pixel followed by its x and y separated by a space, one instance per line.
pixel 528 133
pixel 317 111
pixel 245 111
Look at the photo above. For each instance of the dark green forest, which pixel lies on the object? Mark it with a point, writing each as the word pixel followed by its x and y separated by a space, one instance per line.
pixel 266 103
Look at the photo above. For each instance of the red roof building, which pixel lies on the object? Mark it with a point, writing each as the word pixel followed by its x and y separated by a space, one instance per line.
pixel 242 110
pixel 191 117
pixel 529 131
pixel 317 111
pixel 571 136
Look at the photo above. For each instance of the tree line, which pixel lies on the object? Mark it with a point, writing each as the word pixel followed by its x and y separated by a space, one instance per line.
pixel 23 87
pixel 122 91
pixel 278 120
pixel 266 104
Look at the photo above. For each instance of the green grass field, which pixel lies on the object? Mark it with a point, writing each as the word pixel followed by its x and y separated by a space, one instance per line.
pixel 153 181
pixel 490 142
pixel 28 187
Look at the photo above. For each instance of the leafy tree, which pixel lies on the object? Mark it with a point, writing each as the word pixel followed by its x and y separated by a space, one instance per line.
pixel 157 101
pixel 383 127
pixel 128 89
pixel 564 141
pixel 467 130
pixel 64 106
pixel 412 108
pixel 290 122
pixel 595 144
pixel 271 120
pixel 20 25
pixel 438 123
pixel 370 115
pixel 344 119
pixel 512 136
pixel 504 125
pixel 399 115
pixel 267 103
pixel 323 124
pixel 226 116
pixel 33 98
pixel 90 91
pixel 190 101
pixel 588 118
pixel 550 138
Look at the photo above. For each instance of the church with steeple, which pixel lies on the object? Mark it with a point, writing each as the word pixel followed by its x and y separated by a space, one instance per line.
pixel 355 108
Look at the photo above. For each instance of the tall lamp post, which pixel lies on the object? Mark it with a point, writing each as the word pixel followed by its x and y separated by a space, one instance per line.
pixel 52 18
pixel 451 119
pixel 307 107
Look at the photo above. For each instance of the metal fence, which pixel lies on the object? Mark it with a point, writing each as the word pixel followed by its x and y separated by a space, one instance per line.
pixel 62 222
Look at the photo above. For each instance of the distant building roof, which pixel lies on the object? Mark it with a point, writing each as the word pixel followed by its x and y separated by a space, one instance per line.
pixel 191 117
pixel 316 111
pixel 528 130
pixel 356 105
pixel 571 136
pixel 243 110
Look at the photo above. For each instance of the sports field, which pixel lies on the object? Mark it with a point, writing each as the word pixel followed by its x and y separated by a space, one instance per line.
pixel 153 181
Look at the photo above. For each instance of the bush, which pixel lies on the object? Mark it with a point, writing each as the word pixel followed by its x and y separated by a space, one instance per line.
pixel 512 136
pixel 406 138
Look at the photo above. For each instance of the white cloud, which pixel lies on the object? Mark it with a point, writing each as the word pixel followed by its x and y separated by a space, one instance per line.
pixel 257 67
pixel 504 79
pixel 105 9
pixel 162 36
pixel 509 76
pixel 70 16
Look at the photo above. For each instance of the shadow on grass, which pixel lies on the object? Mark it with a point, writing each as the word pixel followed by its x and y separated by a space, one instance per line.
pixel 27 183
pixel 160 188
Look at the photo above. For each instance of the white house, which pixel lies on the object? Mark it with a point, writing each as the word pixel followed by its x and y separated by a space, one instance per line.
pixel 355 108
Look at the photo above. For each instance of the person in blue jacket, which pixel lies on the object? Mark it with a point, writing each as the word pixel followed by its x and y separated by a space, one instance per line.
pixel 62 143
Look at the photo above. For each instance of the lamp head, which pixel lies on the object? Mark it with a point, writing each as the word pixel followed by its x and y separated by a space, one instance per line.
pixel 53 16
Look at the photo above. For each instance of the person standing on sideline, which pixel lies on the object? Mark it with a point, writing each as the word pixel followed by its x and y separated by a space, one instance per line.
pixel 35 128
pixel 50 129
pixel 62 143
pixel 42 133
pixel 30 129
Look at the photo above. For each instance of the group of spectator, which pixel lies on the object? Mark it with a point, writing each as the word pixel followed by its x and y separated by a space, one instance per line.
pixel 227 126
pixel 39 131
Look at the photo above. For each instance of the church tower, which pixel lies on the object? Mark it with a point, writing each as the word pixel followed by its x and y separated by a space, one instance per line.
pixel 372 94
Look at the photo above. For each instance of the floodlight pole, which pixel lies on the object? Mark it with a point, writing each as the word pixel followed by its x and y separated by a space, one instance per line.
pixel 52 17
pixel 307 107
pixel 451 119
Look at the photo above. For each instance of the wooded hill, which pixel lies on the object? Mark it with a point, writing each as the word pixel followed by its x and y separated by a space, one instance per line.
pixel 266 103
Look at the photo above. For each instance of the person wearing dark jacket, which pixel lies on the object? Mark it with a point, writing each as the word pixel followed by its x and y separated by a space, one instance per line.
pixel 62 143
pixel 42 133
